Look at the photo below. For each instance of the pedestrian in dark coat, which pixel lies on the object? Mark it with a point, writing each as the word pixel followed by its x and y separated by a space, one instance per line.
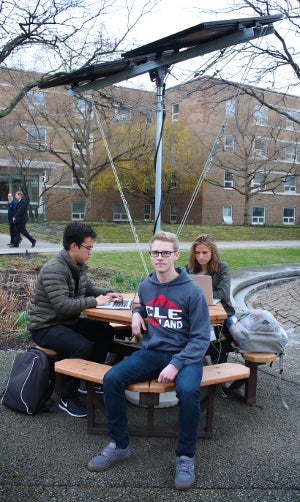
pixel 20 219
pixel 11 209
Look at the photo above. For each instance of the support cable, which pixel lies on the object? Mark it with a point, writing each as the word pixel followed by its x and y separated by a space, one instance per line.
pixel 119 186
pixel 214 149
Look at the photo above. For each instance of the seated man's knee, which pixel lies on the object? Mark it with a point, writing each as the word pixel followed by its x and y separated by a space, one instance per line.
pixel 112 378
pixel 186 392
pixel 83 350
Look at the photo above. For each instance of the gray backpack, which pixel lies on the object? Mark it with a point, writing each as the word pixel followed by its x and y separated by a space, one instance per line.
pixel 257 330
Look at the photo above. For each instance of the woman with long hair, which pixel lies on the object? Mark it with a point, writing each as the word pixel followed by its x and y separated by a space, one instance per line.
pixel 204 259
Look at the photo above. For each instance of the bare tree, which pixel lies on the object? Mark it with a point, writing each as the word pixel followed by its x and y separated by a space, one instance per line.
pixel 253 158
pixel 61 35
pixel 271 62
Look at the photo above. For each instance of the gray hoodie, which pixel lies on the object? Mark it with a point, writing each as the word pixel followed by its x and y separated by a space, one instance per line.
pixel 178 317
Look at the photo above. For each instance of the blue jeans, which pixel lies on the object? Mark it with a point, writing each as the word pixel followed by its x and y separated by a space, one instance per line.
pixel 146 364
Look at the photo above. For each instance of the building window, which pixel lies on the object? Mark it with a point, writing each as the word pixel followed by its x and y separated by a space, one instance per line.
pixel 36 99
pixel 290 123
pixel 82 107
pixel 147 212
pixel 261 115
pixel 78 211
pixel 291 152
pixel 259 181
pixel 288 216
pixel 258 216
pixel 290 183
pixel 228 179
pixel 260 148
pixel 227 215
pixel 229 144
pixel 122 112
pixel 173 213
pixel 79 148
pixel 74 181
pixel 230 108
pixel 36 137
pixel 175 112
pixel 119 213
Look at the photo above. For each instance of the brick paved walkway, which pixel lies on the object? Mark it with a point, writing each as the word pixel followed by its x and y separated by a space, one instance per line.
pixel 283 301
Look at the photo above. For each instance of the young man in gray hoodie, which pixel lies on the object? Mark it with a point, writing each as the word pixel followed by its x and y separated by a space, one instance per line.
pixel 174 342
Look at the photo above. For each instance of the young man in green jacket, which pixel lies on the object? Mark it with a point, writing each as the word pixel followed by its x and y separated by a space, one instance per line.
pixel 61 292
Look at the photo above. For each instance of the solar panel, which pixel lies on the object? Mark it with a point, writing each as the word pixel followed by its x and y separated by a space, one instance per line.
pixel 192 42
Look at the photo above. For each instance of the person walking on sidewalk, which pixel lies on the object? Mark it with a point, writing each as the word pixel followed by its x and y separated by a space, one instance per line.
pixel 173 345
pixel 20 219
pixel 11 209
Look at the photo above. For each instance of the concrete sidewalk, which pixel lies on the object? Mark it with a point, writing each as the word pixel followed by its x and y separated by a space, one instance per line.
pixel 48 247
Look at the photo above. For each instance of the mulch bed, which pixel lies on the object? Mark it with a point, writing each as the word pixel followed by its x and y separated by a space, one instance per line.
pixel 16 281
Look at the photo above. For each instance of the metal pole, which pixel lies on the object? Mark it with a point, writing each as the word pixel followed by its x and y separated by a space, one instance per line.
pixel 160 74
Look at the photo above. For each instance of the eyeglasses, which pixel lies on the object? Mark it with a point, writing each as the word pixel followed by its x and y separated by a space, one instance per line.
pixel 89 248
pixel 164 254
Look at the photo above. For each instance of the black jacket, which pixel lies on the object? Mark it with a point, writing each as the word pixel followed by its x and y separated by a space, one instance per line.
pixel 21 211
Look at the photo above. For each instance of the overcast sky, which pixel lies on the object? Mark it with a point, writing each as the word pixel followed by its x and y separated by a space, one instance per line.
pixel 171 16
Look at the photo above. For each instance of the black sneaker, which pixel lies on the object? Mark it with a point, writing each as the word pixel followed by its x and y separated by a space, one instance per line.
pixel 33 243
pixel 98 389
pixel 73 407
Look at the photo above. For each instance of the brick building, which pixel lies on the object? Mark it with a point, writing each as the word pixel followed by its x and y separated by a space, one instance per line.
pixel 52 150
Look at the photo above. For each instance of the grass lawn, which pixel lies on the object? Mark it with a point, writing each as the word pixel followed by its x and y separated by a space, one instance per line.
pixel 121 232
pixel 123 268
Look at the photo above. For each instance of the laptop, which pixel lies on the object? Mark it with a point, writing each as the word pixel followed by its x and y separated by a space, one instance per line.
pixel 205 283
pixel 126 304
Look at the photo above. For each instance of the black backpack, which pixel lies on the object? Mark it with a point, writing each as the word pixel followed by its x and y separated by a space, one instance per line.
pixel 30 383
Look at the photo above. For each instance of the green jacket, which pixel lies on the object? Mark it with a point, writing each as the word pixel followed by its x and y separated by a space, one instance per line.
pixel 61 292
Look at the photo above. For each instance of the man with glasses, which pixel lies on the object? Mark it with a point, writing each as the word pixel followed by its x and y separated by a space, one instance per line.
pixel 61 292
pixel 174 342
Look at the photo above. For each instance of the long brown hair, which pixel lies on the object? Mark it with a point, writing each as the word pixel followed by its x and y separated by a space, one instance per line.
pixel 213 265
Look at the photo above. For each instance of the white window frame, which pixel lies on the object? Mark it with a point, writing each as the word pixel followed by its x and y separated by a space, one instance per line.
pixel 36 136
pixel 36 99
pixel 173 213
pixel 258 219
pixel 77 215
pixel 260 148
pixel 290 124
pixel 290 183
pixel 230 108
pixel 228 179
pixel 261 115
pixel 121 112
pixel 229 143
pixel 291 152
pixel 147 212
pixel 81 107
pixel 259 181
pixel 227 215
pixel 287 219
pixel 119 212
pixel 175 112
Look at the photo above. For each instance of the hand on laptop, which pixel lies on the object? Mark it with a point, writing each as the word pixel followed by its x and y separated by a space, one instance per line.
pixel 109 297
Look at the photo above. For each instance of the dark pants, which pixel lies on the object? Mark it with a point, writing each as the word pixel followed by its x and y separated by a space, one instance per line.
pixel 12 231
pixel 21 229
pixel 88 339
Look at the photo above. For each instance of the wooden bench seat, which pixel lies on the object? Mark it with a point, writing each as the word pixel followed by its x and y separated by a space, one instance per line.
pixel 149 392
pixel 252 361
